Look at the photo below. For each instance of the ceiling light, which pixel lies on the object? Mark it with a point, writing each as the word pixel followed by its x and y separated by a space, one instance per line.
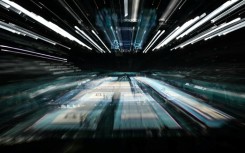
pixel 135 7
pixel 41 54
pixel 125 8
pixel 155 40
pixel 152 40
pixel 46 23
pixel 158 46
pixel 209 16
pixel 208 33
pixel 101 41
pixel 90 39
pixel 170 10
pixel 229 11
pixel 173 35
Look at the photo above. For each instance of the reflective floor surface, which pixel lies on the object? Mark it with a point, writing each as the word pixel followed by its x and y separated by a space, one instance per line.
pixel 120 107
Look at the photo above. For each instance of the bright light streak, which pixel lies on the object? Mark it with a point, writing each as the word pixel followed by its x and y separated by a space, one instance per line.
pixel 237 6
pixel 173 5
pixel 8 29
pixel 90 39
pixel 236 27
pixel 101 41
pixel 4 4
pixel 52 88
pixel 135 7
pixel 11 51
pixel 152 40
pixel 209 16
pixel 207 33
pixel 158 46
pixel 33 52
pixel 204 112
pixel 155 40
pixel 125 8
pixel 46 23
pixel 228 30
pixel 22 31
pixel 214 30
pixel 179 31
pixel 218 91
pixel 192 22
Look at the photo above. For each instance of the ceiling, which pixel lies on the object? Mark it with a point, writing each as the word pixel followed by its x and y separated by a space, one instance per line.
pixel 124 34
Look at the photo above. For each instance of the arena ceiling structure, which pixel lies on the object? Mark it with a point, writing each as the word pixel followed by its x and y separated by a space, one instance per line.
pixel 84 30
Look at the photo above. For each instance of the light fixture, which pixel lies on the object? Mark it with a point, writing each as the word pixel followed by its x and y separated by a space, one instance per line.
pixel 155 40
pixel 135 7
pixel 101 41
pixel 178 31
pixel 151 40
pixel 158 46
pixel 193 21
pixel 125 8
pixel 22 31
pixel 172 6
pixel 90 40
pixel 209 16
pixel 229 11
pixel 228 30
pixel 31 52
pixel 4 5
pixel 215 30
pixel 46 23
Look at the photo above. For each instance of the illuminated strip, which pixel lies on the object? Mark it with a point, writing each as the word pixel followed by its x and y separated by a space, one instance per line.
pixel 207 33
pixel 101 41
pixel 152 40
pixel 87 39
pixel 173 5
pixel 4 5
pixel 81 32
pixel 155 40
pixel 11 51
pixel 9 29
pixel 135 7
pixel 46 23
pixel 238 5
pixel 166 38
pixel 32 52
pixel 125 8
pixel 214 30
pixel 228 30
pixel 233 28
pixel 172 36
pixel 22 31
pixel 192 22
pixel 209 16
pixel 205 113
pixel 30 33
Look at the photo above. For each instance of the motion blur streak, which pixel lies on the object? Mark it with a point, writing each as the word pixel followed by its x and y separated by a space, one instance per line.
pixel 205 113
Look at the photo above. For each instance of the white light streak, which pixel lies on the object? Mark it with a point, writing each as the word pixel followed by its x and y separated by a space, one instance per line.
pixel 46 23
pixel 11 51
pixel 173 35
pixel 125 8
pixel 135 7
pixel 101 41
pixel 81 32
pixel 32 52
pixel 152 40
pixel 155 40
pixel 235 7
pixel 209 16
